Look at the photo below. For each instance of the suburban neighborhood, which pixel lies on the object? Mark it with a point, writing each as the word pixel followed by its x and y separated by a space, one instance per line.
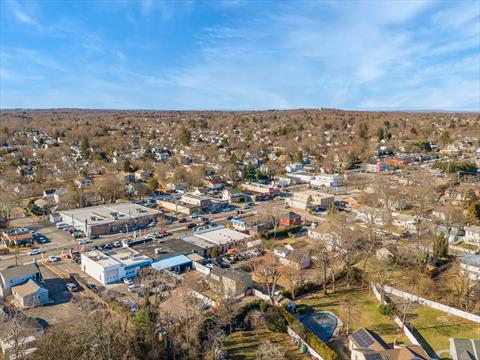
pixel 350 260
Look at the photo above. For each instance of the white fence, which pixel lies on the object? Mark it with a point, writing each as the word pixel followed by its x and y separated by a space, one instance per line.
pixel 447 309
pixel 260 295
pixel 203 298
pixel 461 249
pixel 297 337
pixel 201 268
pixel 408 333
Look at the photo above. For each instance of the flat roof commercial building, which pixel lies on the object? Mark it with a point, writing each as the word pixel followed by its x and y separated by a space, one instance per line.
pixel 104 219
pixel 310 200
pixel 111 266
pixel 219 237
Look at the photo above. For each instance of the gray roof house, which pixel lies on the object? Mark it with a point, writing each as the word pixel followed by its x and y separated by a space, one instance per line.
pixel 464 349
pixel 17 275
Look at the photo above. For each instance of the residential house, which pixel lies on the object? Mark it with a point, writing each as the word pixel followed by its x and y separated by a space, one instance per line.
pixel 289 219
pixel 142 175
pixel 294 167
pixel 472 235
pixel 327 180
pixel 464 349
pixel 30 294
pixel 83 183
pixel 17 275
pixel 365 344
pixel 16 237
pixel 470 266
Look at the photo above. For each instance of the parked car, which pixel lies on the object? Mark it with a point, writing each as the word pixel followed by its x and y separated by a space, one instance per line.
pixel 53 259
pixel 117 244
pixel 41 239
pixel 92 287
pixel 84 241
pixel 93 237
pixel 135 288
pixel 191 226
pixel 127 281
pixel 72 287
pixel 182 220
pixel 34 252
pixel 61 225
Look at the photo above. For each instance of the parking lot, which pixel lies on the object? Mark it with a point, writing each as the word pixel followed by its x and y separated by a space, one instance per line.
pixel 65 307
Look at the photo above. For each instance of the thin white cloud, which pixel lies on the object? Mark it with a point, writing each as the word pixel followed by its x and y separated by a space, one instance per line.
pixel 21 13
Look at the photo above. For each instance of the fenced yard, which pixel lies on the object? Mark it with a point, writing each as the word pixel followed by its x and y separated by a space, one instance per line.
pixel 242 345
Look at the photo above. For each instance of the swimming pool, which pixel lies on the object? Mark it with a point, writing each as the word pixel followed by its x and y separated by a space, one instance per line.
pixel 323 324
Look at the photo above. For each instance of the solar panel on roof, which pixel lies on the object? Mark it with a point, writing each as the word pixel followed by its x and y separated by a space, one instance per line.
pixel 373 356
pixel 363 339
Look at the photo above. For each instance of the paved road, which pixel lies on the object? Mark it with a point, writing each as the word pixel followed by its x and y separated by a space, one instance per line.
pixel 55 248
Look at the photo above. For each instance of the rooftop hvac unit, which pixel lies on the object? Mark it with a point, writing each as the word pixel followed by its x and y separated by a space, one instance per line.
pixel 160 251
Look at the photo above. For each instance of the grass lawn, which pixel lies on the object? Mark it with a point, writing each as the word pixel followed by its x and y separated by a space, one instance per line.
pixel 437 327
pixel 244 344
pixel 363 309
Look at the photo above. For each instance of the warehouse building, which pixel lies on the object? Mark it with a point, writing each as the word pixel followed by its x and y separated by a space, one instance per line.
pixel 111 266
pixel 105 219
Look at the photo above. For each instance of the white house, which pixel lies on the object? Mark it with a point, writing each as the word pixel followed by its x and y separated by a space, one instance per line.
pixel 470 266
pixel 327 180
pixel 472 235
pixel 17 275
pixel 293 167
pixel 83 183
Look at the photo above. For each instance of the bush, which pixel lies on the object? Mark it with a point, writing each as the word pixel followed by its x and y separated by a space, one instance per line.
pixel 274 320
pixel 283 232
pixel 386 309
pixel 263 305
pixel 313 340
pixel 303 309
pixel 303 289
pixel 245 310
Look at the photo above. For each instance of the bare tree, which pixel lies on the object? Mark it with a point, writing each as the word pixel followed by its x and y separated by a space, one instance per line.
pixel 16 331
pixel 321 257
pixel 268 350
pixel 268 270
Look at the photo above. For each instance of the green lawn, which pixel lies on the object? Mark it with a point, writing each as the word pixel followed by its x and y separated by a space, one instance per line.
pixel 363 309
pixel 437 327
pixel 242 345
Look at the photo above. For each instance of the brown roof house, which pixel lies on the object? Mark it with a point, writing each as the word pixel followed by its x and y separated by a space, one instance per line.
pixel 364 344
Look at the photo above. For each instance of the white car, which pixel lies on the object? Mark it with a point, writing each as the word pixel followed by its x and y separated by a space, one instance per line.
pixel 85 241
pixel 34 252
pixel 128 281
pixel 52 259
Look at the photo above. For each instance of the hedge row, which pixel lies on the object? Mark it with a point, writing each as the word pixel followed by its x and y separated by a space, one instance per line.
pixel 303 289
pixel 309 336
pixel 282 232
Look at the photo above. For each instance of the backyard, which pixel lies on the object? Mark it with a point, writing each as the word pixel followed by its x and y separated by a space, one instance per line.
pixel 356 309
pixel 242 345
pixel 437 327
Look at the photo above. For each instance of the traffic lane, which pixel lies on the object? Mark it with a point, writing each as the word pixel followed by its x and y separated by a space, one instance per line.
pixel 178 229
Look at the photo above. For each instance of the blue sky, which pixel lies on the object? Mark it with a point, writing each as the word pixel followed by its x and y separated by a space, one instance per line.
pixel 240 54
